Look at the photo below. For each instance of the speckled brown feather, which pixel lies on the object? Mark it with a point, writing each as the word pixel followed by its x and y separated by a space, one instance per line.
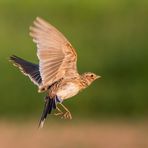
pixel 57 58
pixel 57 68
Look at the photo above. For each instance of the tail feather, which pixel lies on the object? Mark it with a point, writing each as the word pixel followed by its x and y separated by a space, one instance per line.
pixel 50 104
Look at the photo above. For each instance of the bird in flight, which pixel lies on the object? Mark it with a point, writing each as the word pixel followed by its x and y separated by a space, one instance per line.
pixel 56 74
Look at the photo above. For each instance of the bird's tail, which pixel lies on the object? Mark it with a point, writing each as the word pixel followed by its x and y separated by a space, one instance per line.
pixel 49 105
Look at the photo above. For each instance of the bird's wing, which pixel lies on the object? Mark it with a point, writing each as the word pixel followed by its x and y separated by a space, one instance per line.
pixel 57 58
pixel 28 69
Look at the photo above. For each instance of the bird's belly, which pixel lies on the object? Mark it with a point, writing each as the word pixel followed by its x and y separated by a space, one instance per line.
pixel 68 90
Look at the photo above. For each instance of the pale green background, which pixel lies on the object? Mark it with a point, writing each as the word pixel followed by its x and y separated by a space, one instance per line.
pixel 111 38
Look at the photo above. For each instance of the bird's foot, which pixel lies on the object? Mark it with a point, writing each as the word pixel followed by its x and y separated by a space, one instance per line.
pixel 63 115
pixel 66 115
pixel 58 114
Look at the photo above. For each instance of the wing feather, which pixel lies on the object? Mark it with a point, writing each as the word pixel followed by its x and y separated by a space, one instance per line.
pixel 57 58
pixel 28 69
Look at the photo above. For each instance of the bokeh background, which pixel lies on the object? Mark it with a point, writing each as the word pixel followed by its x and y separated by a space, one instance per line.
pixel 111 38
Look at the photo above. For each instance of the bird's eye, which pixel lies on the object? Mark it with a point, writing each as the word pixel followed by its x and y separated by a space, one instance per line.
pixel 92 76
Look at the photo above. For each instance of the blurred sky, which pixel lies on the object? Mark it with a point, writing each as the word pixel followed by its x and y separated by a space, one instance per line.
pixel 111 40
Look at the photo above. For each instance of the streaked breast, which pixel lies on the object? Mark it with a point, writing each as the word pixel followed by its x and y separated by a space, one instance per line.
pixel 68 90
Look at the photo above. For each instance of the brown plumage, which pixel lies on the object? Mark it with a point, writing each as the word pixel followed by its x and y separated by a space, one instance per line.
pixel 57 70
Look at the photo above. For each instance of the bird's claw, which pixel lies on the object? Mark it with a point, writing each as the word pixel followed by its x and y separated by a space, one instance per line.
pixel 66 115
pixel 63 114
pixel 58 114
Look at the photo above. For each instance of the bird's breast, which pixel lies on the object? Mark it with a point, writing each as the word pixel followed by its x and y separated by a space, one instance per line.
pixel 68 90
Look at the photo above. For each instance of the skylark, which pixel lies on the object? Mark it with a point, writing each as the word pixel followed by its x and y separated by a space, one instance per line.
pixel 57 72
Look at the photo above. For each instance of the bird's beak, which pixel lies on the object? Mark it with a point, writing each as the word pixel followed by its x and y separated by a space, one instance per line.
pixel 98 77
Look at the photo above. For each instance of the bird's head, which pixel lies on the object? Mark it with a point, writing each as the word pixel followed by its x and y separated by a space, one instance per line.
pixel 89 77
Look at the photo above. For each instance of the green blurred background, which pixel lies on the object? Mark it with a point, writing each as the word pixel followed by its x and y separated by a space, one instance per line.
pixel 111 38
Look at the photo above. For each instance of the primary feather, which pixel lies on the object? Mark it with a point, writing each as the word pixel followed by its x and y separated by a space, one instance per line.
pixel 27 68
pixel 57 58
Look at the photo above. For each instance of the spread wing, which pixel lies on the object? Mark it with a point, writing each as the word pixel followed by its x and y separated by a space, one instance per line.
pixel 57 58
pixel 28 69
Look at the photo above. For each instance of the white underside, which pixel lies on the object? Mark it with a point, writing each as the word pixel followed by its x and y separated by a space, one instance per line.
pixel 68 90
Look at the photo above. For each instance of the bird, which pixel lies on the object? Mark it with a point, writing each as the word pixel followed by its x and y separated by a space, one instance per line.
pixel 56 74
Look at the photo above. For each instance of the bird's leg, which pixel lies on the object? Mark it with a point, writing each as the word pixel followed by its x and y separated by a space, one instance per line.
pixel 59 112
pixel 67 114
pixel 64 114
